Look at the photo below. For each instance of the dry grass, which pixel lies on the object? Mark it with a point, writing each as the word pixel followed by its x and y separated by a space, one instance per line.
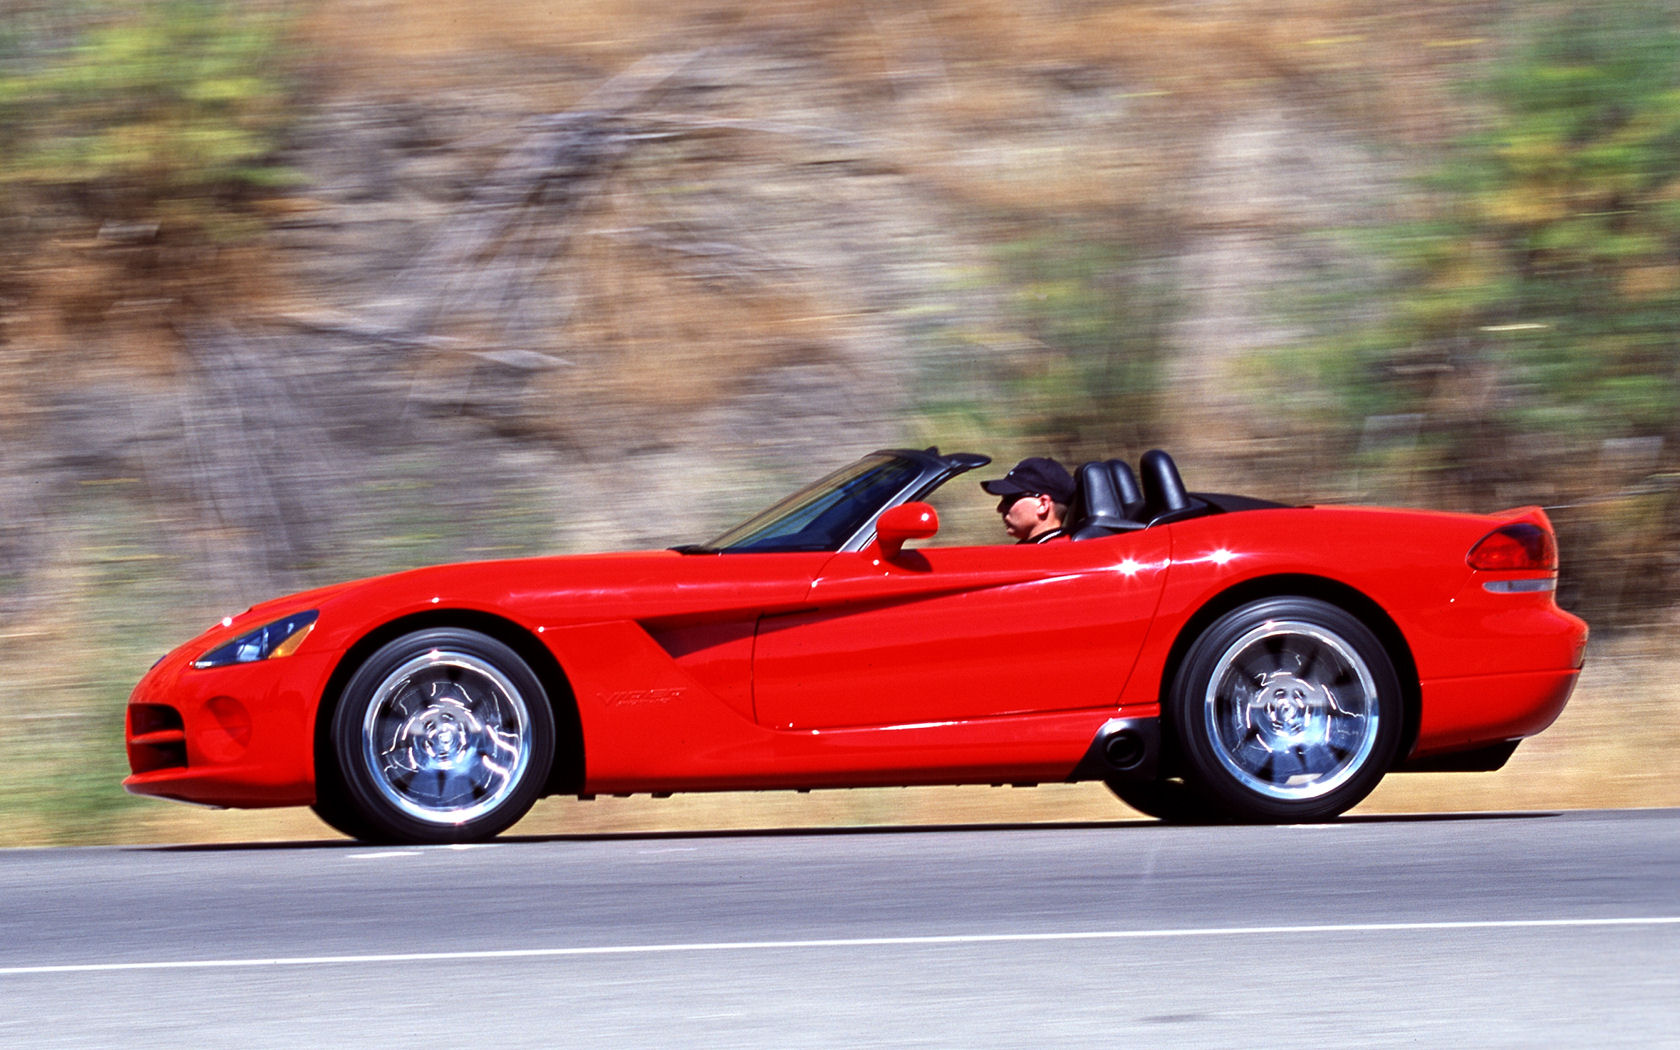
pixel 651 335
pixel 948 78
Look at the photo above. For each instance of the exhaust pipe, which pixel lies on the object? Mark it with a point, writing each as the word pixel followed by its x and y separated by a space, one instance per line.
pixel 1123 749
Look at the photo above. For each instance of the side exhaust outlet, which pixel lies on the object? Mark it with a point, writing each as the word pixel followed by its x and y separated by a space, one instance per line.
pixel 1123 749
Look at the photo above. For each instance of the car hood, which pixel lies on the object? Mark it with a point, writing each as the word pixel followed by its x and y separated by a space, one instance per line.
pixel 548 592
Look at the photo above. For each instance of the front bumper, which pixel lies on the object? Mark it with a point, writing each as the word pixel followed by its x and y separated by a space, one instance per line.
pixel 228 736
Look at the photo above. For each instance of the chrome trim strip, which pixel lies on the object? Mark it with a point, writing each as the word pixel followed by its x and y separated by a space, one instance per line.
pixel 1520 586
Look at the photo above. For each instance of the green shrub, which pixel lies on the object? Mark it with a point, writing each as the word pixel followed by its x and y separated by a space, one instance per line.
pixel 1096 318
pixel 1534 325
pixel 165 111
pixel 1548 267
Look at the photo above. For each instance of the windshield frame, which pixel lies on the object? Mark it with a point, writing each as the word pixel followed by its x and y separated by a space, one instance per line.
pixel 881 480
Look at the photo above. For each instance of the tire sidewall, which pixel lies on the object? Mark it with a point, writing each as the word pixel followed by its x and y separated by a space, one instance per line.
pixel 1169 801
pixel 1187 701
pixel 383 819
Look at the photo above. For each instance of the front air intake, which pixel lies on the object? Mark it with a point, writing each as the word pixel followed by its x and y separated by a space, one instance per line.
pixel 157 739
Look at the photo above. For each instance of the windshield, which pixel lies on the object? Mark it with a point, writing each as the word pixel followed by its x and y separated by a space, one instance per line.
pixel 824 515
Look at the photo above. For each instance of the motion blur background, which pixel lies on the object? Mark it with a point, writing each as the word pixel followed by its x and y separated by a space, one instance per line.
pixel 292 292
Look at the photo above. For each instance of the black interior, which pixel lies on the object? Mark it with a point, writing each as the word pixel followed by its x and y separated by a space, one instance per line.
pixel 1108 498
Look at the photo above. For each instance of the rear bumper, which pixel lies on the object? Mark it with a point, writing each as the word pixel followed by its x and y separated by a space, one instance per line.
pixel 1495 666
pixel 1464 713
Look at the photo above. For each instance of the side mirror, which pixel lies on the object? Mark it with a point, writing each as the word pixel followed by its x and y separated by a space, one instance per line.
pixel 908 521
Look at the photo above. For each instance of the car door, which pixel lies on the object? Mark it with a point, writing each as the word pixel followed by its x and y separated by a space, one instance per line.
pixel 945 634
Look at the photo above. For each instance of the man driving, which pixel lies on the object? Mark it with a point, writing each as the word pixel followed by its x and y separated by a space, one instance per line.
pixel 1033 499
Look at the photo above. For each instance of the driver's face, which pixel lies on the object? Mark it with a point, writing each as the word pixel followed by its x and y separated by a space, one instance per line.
pixel 1025 514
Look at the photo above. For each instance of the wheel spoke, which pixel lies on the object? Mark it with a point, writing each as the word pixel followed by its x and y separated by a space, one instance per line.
pixel 1320 758
pixel 1264 659
pixel 408 699
pixel 1286 765
pixel 483 778
pixel 1309 663
pixel 1253 755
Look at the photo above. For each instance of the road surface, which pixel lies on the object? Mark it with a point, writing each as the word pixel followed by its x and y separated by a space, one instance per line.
pixel 1508 930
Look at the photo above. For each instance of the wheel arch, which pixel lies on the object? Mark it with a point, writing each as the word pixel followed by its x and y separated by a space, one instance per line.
pixel 566 776
pixel 1349 599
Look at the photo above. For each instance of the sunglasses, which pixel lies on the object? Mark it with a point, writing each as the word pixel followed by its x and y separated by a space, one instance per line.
pixel 1009 501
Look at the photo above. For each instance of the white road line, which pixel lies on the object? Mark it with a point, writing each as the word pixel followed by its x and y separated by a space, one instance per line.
pixel 421 851
pixel 845 942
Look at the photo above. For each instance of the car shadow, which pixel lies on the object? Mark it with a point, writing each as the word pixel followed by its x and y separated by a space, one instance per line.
pixel 1138 824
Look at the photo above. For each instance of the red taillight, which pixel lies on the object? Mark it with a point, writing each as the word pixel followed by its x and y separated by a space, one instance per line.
pixel 1523 545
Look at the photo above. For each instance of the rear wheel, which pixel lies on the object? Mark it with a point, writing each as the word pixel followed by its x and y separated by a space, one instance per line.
pixel 443 735
pixel 1286 709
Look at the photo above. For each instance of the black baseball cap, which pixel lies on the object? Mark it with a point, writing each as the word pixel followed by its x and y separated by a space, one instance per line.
pixel 1036 475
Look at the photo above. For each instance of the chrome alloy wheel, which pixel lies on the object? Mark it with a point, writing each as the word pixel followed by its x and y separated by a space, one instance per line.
pixel 1292 710
pixel 446 737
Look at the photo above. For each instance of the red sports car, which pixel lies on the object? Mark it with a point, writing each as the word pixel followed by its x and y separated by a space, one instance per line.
pixel 1209 657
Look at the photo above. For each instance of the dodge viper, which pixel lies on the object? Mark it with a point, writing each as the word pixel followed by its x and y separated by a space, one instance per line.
pixel 1209 657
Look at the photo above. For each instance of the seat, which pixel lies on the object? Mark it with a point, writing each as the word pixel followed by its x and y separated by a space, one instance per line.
pixel 1131 497
pixel 1106 500
pixel 1164 495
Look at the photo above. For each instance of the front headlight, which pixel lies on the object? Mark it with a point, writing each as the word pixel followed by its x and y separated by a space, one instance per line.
pixel 280 638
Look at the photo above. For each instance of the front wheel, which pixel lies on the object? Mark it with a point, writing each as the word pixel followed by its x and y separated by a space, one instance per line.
pixel 442 735
pixel 1287 709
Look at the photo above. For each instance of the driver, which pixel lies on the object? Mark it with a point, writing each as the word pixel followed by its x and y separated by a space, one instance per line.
pixel 1034 499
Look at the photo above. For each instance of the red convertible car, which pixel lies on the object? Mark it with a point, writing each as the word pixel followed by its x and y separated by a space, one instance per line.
pixel 1209 657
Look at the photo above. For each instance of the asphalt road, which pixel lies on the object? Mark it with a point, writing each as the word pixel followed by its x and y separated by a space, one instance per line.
pixel 1517 930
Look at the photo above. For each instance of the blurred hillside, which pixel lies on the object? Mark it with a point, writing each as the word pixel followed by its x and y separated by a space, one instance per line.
pixel 301 291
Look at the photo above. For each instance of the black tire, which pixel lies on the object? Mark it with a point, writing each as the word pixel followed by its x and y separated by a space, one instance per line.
pixel 1286 710
pixel 333 811
pixel 443 735
pixel 1169 801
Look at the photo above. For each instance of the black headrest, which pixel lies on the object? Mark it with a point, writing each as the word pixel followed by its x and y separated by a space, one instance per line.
pixel 1126 483
pixel 1106 502
pixel 1163 489
pixel 1098 496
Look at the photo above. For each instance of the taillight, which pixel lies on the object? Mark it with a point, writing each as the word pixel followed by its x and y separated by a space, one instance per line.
pixel 1523 545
